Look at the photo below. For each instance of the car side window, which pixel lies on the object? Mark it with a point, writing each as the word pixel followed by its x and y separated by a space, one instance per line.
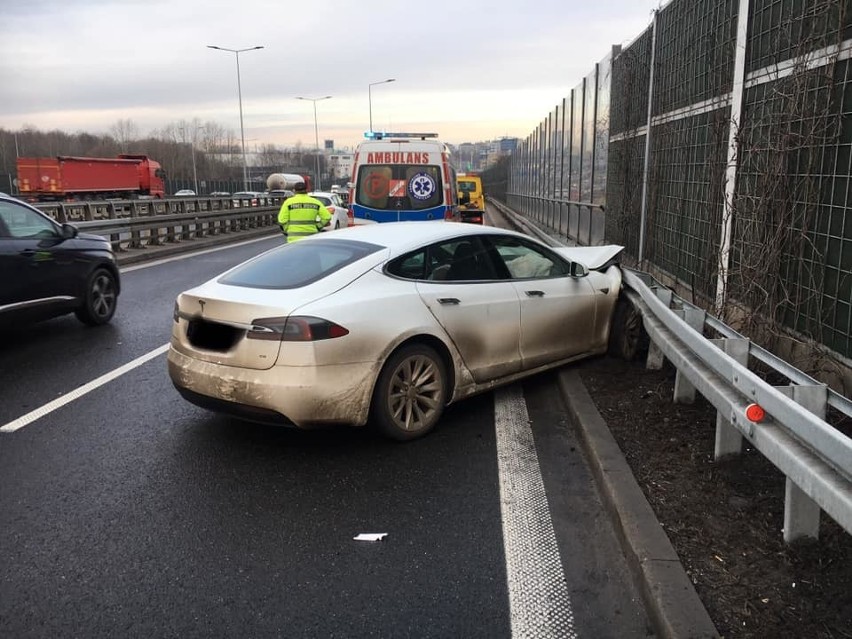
pixel 463 259
pixel 22 223
pixel 409 267
pixel 526 261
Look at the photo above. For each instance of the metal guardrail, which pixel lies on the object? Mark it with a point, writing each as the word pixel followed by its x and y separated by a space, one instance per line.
pixel 815 457
pixel 88 210
pixel 131 224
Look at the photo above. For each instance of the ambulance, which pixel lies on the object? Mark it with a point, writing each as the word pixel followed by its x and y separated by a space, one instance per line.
pixel 402 177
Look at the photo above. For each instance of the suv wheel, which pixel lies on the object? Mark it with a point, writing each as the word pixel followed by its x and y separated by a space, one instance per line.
pixel 99 299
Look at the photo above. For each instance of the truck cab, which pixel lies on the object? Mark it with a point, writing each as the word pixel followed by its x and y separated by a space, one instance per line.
pixel 471 198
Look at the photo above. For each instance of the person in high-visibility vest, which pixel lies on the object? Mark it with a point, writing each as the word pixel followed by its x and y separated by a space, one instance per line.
pixel 301 215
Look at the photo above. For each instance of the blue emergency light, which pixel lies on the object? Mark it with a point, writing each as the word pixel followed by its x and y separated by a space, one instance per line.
pixel 379 135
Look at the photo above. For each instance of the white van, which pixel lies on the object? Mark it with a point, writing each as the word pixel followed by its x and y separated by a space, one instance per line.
pixel 403 177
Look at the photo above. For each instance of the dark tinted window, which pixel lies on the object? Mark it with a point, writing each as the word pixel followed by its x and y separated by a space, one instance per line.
pixel 298 264
pixel 21 222
pixel 457 260
pixel 410 267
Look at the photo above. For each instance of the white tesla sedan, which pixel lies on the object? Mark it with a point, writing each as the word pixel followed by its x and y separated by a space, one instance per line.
pixel 388 323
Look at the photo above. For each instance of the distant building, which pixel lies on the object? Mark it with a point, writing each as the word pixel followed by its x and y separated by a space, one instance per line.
pixel 508 145
pixel 340 166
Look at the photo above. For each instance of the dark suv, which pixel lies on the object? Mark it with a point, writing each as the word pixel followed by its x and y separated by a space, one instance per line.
pixel 48 269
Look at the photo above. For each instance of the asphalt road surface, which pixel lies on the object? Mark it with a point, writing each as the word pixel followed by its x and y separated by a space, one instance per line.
pixel 127 512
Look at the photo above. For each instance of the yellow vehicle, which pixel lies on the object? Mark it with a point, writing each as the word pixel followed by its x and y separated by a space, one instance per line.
pixel 471 198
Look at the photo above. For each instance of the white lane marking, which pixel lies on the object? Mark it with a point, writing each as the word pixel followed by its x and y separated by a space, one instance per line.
pixel 40 412
pixel 539 602
pixel 183 256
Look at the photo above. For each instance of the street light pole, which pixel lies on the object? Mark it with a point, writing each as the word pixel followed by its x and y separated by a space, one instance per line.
pixel 316 135
pixel 237 53
pixel 370 97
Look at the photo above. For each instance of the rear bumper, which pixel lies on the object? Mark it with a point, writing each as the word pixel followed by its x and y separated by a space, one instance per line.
pixel 303 396
pixel 241 411
pixel 474 217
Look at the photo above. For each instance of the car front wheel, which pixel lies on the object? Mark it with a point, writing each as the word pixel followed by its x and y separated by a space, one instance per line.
pixel 627 336
pixel 100 298
pixel 410 393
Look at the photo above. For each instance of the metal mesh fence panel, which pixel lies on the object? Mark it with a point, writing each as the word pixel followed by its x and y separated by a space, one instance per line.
pixel 782 29
pixel 630 74
pixel 791 239
pixel 695 53
pixel 684 197
pixel 624 182
pixel 792 250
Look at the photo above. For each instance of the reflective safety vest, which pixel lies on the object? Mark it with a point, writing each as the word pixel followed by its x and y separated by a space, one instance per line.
pixel 301 216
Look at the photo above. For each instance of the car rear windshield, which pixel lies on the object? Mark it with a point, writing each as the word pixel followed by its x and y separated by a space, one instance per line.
pixel 392 187
pixel 298 264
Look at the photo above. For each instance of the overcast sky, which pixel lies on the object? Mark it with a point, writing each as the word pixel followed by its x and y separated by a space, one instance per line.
pixel 470 70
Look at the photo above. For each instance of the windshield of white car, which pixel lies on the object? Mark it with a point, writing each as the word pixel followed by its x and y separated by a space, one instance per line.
pixel 298 264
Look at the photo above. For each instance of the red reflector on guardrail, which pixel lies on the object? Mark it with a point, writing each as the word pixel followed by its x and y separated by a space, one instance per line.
pixel 755 413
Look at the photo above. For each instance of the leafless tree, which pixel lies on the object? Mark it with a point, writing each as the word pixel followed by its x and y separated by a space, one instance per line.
pixel 124 132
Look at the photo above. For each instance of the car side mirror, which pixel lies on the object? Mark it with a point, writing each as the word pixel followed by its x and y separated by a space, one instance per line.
pixel 69 231
pixel 578 270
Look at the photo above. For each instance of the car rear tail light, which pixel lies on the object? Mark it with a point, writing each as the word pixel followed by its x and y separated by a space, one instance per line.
pixel 294 329
pixel 267 328
pixel 330 209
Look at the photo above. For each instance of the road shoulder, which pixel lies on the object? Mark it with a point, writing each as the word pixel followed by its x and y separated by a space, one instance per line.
pixel 673 605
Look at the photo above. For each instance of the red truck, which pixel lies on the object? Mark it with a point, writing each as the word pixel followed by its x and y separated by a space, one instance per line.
pixel 75 178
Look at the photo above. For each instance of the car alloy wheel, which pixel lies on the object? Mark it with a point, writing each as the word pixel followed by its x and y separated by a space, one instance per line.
pixel 100 298
pixel 410 393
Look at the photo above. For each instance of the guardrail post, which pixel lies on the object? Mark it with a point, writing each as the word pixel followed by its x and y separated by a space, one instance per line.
pixel 729 441
pixel 654 360
pixel 684 391
pixel 115 239
pixel 801 513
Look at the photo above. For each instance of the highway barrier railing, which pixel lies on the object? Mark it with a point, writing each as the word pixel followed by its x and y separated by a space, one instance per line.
pixel 785 423
pixel 133 224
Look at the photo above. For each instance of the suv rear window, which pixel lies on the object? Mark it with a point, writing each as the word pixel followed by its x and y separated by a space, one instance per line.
pixel 406 187
pixel 298 264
